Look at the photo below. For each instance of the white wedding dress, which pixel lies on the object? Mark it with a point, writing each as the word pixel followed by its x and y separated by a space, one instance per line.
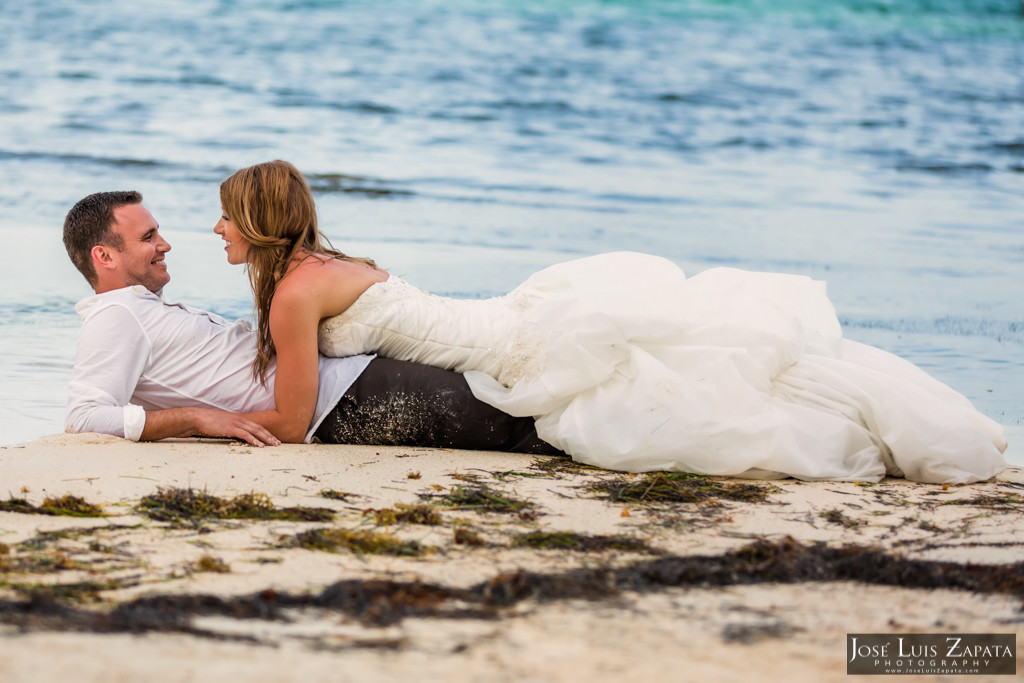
pixel 628 365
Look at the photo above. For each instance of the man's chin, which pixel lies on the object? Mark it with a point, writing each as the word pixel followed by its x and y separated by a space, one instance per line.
pixel 155 286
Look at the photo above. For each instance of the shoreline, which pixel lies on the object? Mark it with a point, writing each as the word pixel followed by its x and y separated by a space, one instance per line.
pixel 546 574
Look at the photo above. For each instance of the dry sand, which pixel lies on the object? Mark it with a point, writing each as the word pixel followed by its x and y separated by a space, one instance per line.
pixel 485 610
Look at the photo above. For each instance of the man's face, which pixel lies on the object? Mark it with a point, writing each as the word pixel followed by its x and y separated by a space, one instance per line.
pixel 141 260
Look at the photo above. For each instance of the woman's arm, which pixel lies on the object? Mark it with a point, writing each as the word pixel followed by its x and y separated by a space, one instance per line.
pixel 314 290
pixel 294 317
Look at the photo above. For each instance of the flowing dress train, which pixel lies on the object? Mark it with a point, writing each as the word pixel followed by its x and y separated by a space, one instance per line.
pixel 627 364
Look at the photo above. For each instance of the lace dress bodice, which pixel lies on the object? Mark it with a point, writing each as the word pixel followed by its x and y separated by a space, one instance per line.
pixel 397 320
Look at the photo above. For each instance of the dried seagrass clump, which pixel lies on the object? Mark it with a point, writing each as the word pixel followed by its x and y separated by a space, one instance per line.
pixel 568 540
pixel 64 506
pixel 403 513
pixel 1000 502
pixel 181 505
pixel 331 494
pixel 678 487
pixel 360 541
pixel 478 499
pixel 209 563
pixel 561 464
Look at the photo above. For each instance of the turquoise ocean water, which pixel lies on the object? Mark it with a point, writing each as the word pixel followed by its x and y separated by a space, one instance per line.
pixel 875 144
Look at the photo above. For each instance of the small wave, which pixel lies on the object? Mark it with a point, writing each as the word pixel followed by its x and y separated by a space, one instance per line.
pixel 743 141
pixel 764 90
pixel 82 125
pixel 943 167
pixel 699 99
pixel 339 182
pixel 20 313
pixel 1006 331
pixel 77 75
pixel 364 107
pixel 116 162
pixel 186 79
pixel 447 76
pixel 471 117
pixel 1014 147
pixel 644 199
pixel 1000 98
pixel 538 105
pixel 549 71
pixel 879 123
pixel 301 99
pixel 202 79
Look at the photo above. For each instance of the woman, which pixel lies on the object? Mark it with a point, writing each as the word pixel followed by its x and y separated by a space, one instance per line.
pixel 624 362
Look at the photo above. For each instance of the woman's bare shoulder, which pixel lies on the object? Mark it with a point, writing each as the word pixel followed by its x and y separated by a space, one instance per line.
pixel 334 282
pixel 315 269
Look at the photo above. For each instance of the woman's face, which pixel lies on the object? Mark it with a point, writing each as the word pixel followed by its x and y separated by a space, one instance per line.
pixel 237 248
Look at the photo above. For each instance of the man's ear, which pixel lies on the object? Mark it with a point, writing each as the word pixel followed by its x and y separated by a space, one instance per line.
pixel 102 257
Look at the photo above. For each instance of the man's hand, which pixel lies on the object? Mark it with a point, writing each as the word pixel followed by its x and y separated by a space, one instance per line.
pixel 161 424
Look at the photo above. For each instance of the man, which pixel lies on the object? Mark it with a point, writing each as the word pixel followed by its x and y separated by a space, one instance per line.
pixel 146 369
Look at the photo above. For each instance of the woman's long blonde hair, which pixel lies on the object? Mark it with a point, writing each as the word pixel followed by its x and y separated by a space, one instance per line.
pixel 272 207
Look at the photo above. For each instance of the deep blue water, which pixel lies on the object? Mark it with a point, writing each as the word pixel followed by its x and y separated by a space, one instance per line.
pixel 876 144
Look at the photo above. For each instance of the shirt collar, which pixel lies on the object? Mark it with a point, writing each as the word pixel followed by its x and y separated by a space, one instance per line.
pixel 90 304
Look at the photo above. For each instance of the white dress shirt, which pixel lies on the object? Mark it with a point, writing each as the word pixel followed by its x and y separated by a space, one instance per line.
pixel 136 352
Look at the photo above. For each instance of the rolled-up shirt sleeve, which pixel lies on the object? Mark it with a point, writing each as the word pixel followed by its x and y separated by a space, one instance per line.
pixel 112 354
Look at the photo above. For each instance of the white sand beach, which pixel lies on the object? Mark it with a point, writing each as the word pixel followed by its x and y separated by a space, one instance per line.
pixel 465 594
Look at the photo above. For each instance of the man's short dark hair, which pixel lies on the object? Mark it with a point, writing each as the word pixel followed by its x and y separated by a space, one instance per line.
pixel 88 224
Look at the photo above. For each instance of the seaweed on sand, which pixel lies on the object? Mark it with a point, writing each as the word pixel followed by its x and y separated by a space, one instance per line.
pixel 403 513
pixel 64 506
pixel 50 552
pixel 678 487
pixel 48 594
pixel 331 494
pixel 568 540
pixel 784 561
pixel 837 516
pixel 559 464
pixel 209 563
pixel 364 542
pixel 181 505
pixel 383 602
pixel 478 498
pixel 1002 502
pixel 37 563
pixel 463 535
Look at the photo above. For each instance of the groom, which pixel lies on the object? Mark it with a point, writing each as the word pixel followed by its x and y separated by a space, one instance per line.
pixel 146 369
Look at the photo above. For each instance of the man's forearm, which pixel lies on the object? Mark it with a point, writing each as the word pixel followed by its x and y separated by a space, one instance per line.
pixel 191 421
pixel 163 424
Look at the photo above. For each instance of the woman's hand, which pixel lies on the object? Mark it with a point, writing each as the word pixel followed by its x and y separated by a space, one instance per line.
pixel 178 422
pixel 219 423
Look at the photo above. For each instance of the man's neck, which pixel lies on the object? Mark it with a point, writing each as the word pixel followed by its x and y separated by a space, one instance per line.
pixel 103 288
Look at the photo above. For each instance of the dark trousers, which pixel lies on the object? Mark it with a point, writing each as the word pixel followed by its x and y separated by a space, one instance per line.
pixel 397 403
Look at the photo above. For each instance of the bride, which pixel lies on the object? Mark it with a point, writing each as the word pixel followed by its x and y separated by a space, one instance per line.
pixel 623 361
